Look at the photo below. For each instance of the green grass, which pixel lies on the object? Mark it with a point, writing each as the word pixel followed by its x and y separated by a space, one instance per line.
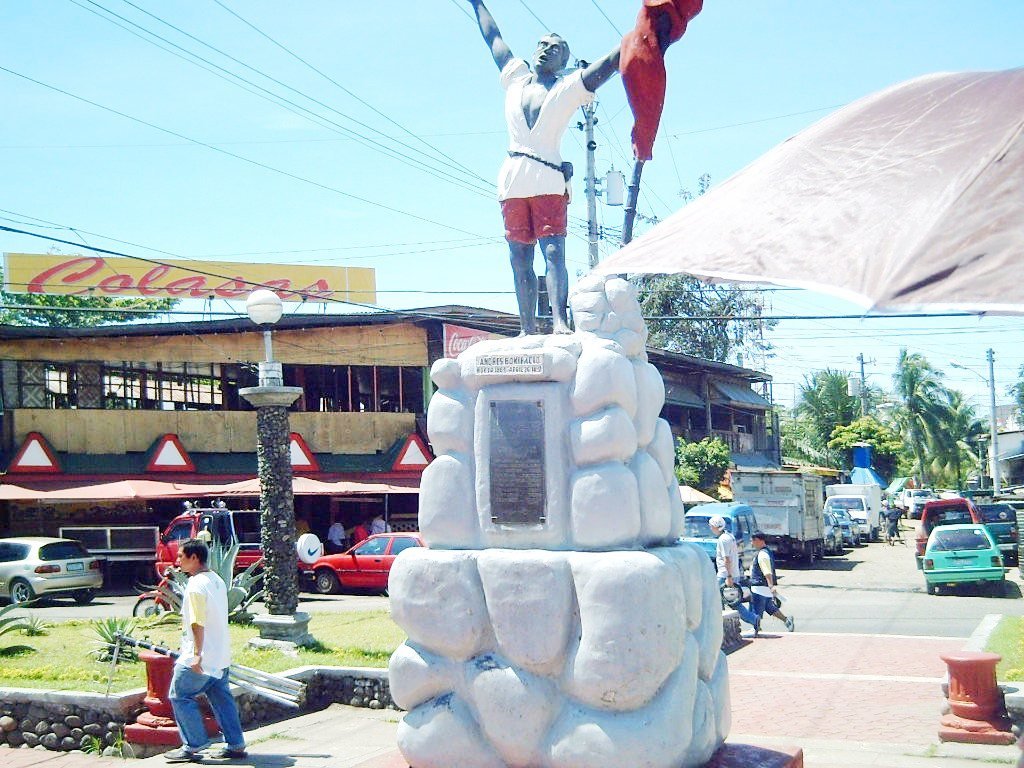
pixel 61 660
pixel 1008 641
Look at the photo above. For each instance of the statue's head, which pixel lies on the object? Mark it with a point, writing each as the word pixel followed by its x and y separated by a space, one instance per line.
pixel 552 54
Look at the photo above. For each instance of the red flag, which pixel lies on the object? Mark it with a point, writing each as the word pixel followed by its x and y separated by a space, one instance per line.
pixel 642 64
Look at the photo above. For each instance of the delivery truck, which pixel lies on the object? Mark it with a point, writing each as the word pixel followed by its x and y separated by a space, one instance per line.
pixel 788 506
pixel 863 502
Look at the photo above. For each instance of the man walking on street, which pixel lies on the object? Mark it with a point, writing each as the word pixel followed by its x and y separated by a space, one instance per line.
pixel 202 667
pixel 727 560
pixel 763 585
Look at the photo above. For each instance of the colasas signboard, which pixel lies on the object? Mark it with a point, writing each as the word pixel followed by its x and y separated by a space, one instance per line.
pixel 78 275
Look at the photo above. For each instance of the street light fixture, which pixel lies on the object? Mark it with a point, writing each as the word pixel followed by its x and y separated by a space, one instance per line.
pixel 990 380
pixel 271 399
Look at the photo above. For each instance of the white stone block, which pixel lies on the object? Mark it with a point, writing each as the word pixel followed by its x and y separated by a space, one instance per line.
pixel 663 449
pixel 448 516
pixel 655 513
pixel 720 696
pixel 587 321
pixel 562 365
pixel 650 398
pixel 417 676
pixel 632 616
pixel 612 323
pixel 530 598
pixel 705 738
pixel 605 504
pixel 449 423
pixel 621 295
pixel 709 633
pixel 589 282
pixel 603 378
pixel 631 342
pixel 446 373
pixel 443 734
pixel 437 598
pixel 657 736
pixel 677 511
pixel 608 435
pixel 515 709
pixel 589 301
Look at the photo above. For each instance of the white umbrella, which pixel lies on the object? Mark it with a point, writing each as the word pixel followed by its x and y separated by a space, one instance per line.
pixel 910 198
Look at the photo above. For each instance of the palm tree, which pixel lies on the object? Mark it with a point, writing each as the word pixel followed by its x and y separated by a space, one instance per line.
pixel 921 397
pixel 826 404
pixel 951 442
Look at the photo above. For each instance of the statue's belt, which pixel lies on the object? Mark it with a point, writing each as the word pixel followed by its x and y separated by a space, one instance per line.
pixel 565 168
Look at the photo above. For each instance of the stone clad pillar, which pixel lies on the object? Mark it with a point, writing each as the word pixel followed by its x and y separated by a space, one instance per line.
pixel 553 621
pixel 277 510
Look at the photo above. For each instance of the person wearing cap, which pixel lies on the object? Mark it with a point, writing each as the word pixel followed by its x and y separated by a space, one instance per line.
pixel 763 585
pixel 727 556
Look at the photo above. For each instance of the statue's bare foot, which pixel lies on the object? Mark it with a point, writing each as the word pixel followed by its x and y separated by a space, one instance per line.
pixel 528 332
pixel 561 328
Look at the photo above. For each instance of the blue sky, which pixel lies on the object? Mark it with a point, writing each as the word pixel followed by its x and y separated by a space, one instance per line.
pixel 746 76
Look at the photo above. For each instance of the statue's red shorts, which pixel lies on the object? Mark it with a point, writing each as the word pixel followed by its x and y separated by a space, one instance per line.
pixel 527 219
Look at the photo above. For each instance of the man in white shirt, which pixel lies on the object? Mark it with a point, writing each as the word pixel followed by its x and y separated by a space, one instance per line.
pixel 727 558
pixel 336 537
pixel 202 666
pixel 532 182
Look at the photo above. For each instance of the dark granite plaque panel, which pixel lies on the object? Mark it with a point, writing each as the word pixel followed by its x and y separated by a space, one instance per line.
pixel 518 490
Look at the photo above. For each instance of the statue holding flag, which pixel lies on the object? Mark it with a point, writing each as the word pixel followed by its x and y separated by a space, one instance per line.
pixel 533 182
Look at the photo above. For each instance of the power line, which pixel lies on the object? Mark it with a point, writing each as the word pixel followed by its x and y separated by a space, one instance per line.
pixel 362 101
pixel 370 143
pixel 222 151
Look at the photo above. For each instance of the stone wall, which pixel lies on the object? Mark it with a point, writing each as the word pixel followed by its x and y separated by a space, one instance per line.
pixel 64 721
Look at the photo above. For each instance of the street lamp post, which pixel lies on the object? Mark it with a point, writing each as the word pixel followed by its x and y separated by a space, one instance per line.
pixel 282 625
pixel 990 380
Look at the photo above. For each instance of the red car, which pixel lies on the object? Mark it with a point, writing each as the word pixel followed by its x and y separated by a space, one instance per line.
pixel 944 512
pixel 365 566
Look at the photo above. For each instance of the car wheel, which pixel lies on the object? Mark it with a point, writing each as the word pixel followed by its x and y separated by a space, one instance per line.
pixel 327 582
pixel 21 591
pixel 84 596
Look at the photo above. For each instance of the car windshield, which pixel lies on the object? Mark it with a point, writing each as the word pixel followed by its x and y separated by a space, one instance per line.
pixel 696 526
pixel 847 503
pixel 922 494
pixel 843 516
pixel 946 540
pixel 62 550
pixel 997 513
pixel 954 516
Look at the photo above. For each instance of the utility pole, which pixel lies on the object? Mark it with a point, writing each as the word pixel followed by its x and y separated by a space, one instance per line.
pixel 992 422
pixel 863 387
pixel 587 126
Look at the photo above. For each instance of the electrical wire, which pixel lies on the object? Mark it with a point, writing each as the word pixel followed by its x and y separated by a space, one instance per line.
pixel 244 159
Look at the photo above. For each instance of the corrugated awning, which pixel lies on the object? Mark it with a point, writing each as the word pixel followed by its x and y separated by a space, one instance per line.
pixel 120 490
pixel 735 394
pixel 680 394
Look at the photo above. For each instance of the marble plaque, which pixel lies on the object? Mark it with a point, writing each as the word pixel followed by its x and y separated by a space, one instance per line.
pixel 517 484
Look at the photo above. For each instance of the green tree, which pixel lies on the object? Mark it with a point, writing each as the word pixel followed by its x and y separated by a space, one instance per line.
pixel 826 404
pixel 1017 391
pixel 800 439
pixel 886 444
pixel 60 311
pixel 921 396
pixel 951 441
pixel 702 465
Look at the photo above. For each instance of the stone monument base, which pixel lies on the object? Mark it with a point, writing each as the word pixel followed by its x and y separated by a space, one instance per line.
pixel 283 632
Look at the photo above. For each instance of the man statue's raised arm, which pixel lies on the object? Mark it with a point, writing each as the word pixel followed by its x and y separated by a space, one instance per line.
pixel 598 73
pixel 492 36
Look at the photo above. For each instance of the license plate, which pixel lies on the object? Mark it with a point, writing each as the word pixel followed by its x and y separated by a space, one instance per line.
pixel 962 560
pixel 75 567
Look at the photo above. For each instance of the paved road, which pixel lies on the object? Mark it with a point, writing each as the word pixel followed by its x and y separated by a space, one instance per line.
pixel 878 589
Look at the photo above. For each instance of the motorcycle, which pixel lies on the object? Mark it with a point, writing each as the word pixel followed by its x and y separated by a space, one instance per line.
pixel 154 601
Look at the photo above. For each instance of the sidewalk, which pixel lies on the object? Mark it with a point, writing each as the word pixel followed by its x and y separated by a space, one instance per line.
pixel 846 700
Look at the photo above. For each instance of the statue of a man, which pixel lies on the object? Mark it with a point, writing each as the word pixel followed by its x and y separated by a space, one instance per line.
pixel 533 182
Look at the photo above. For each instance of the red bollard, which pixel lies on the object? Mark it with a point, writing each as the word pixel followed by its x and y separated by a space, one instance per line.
pixel 156 726
pixel 977 714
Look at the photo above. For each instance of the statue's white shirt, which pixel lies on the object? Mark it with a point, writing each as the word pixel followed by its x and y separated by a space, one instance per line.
pixel 521 176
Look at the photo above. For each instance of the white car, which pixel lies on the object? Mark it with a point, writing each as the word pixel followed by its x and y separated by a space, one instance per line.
pixel 916 498
pixel 39 566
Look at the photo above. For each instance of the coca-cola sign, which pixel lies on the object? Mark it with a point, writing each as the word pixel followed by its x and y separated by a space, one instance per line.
pixel 458 339
pixel 115 277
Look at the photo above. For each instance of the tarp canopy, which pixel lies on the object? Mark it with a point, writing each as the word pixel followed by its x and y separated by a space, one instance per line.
pixel 123 490
pixel 911 198
pixel 866 476
pixel 691 495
